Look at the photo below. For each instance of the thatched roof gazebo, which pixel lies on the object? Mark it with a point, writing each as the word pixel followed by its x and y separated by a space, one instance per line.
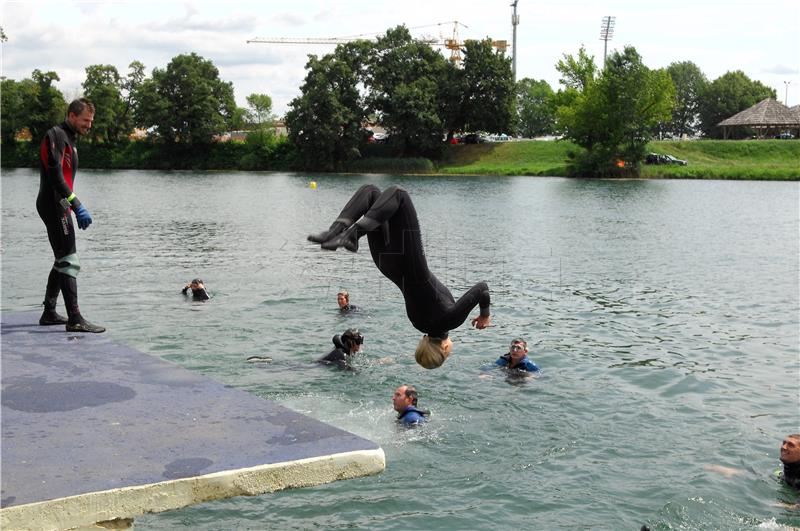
pixel 765 116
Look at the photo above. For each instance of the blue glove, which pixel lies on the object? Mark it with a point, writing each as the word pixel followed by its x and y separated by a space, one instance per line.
pixel 83 217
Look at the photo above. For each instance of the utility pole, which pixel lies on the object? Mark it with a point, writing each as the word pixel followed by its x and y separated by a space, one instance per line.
pixel 514 23
pixel 786 94
pixel 606 33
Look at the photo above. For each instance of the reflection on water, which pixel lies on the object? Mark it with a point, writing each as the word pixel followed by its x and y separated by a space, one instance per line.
pixel 664 315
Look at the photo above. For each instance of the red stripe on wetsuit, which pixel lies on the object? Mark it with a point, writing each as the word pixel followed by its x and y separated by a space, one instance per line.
pixel 66 159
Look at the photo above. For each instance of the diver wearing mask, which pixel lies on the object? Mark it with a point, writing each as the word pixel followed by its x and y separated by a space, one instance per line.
pixel 344 346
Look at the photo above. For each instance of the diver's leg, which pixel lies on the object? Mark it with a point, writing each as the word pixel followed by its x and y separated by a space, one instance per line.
pixel 62 239
pixel 360 202
pixel 49 315
pixel 69 290
pixel 59 234
pixel 401 256
pixel 381 214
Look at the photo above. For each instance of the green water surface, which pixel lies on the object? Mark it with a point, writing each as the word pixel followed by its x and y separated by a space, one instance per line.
pixel 664 315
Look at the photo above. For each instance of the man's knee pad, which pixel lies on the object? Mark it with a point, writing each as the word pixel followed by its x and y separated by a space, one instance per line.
pixel 69 265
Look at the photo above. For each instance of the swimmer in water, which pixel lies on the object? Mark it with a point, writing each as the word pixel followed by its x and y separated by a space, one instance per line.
pixel 344 346
pixel 199 292
pixel 404 401
pixel 517 358
pixel 343 300
pixel 390 222
pixel 790 457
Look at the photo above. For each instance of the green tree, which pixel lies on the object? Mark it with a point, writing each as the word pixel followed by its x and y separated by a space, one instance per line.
pixel 577 73
pixel 536 108
pixel 187 102
pixel 14 96
pixel 488 98
pixel 260 110
pixel 404 83
pixel 451 93
pixel 727 95
pixel 690 83
pixel 103 87
pixel 130 85
pixel 325 121
pixel 613 116
pixel 44 106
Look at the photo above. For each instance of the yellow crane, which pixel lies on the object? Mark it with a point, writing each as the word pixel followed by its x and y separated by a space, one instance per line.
pixel 453 43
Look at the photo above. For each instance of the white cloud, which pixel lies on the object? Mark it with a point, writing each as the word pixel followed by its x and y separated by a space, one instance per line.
pixel 78 34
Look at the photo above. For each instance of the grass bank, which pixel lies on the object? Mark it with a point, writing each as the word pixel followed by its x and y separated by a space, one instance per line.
pixel 708 159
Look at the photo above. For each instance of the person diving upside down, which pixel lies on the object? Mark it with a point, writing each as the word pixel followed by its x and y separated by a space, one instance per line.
pixel 390 222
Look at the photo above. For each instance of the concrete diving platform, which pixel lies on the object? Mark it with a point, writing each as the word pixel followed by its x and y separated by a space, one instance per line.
pixel 97 432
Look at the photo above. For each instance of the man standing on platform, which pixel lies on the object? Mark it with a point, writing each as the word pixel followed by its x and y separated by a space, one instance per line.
pixel 58 163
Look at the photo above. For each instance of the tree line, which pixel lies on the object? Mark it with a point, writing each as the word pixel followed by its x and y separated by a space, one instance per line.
pixel 410 89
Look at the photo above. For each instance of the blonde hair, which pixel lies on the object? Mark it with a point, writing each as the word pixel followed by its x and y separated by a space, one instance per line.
pixel 429 352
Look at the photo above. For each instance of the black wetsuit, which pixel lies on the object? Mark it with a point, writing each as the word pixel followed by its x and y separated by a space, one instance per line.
pixel 58 165
pixel 197 294
pixel 338 355
pixel 791 475
pixel 396 249
pixel 348 308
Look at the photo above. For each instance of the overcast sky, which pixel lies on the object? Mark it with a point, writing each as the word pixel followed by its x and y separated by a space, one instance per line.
pixel 762 38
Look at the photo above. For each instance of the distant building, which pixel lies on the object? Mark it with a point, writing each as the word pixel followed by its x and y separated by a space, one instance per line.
pixel 767 117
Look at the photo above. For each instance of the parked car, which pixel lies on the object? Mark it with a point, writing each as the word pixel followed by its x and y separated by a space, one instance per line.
pixel 656 158
pixel 474 138
pixel 785 136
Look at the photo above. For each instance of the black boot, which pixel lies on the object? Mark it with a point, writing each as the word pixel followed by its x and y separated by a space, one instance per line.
pixel 76 322
pixel 49 315
pixel 337 227
pixel 82 325
pixel 349 238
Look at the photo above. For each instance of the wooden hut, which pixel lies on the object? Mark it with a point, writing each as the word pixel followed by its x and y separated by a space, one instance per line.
pixel 765 117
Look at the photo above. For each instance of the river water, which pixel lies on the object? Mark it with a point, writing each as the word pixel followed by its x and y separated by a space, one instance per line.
pixel 664 315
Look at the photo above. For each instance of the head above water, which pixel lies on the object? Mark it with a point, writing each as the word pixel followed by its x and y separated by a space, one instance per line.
pixel 518 349
pixel 432 351
pixel 790 449
pixel 343 298
pixel 353 339
pixel 404 396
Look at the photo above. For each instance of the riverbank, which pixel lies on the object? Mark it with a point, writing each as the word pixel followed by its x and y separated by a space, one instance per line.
pixel 708 159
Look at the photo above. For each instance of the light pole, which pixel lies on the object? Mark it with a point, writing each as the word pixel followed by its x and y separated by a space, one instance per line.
pixel 786 94
pixel 606 33
pixel 514 23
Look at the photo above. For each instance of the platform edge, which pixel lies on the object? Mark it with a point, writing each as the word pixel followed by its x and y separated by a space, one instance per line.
pixel 129 502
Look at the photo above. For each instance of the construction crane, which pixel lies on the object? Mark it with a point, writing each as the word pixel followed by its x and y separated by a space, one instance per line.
pixel 453 43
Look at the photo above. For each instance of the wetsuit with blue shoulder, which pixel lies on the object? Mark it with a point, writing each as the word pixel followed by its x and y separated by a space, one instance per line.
pixel 525 364
pixel 517 357
pixel 412 415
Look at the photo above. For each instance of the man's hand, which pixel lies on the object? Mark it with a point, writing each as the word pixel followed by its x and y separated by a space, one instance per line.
pixel 83 217
pixel 480 322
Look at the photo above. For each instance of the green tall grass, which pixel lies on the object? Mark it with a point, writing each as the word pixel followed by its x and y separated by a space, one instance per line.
pixel 506 158
pixel 729 159
pixel 708 159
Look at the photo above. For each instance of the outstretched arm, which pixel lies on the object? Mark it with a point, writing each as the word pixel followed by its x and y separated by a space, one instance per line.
pixel 458 313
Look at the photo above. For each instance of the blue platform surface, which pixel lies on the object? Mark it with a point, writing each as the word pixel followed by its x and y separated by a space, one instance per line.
pixel 83 414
